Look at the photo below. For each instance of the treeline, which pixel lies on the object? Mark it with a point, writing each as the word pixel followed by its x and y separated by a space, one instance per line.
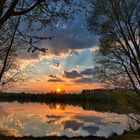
pixel 99 100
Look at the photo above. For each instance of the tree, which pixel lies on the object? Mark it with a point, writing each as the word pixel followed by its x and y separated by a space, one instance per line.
pixel 11 73
pixel 33 10
pixel 117 22
pixel 110 72
pixel 21 19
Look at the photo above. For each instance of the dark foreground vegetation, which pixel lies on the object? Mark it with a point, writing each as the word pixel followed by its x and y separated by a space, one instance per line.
pixel 115 100
pixel 135 135
pixel 52 138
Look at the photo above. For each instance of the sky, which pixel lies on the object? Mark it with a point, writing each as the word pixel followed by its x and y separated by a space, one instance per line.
pixel 68 64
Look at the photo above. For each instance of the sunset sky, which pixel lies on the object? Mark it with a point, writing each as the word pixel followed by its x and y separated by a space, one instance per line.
pixel 68 63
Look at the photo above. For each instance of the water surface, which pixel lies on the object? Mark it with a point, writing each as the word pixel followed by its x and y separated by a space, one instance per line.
pixel 58 120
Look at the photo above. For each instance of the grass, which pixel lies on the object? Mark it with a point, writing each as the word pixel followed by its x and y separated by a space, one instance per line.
pixel 129 136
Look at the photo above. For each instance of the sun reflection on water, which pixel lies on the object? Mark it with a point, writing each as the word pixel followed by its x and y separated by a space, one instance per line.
pixel 57 106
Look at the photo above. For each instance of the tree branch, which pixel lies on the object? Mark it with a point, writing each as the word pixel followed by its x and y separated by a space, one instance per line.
pixel 15 13
pixel 8 51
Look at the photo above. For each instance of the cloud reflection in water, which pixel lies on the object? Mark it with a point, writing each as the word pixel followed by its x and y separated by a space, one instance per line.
pixel 41 120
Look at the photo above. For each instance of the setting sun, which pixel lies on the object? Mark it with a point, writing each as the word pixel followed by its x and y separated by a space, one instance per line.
pixel 58 90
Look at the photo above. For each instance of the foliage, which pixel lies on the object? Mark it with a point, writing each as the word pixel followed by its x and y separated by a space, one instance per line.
pixel 20 23
pixel 100 100
pixel 118 24
pixel 127 136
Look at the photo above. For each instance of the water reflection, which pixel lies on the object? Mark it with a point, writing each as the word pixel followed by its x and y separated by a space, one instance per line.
pixel 57 106
pixel 58 119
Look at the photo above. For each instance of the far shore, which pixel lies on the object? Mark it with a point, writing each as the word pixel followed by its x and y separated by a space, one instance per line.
pixel 113 100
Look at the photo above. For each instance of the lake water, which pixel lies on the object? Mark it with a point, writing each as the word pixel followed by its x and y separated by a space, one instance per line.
pixel 58 119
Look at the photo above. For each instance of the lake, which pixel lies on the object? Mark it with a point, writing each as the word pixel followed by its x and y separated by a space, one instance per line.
pixel 56 119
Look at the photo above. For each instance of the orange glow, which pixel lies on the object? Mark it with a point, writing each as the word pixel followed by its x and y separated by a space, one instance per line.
pixel 58 90
pixel 39 86
pixel 57 106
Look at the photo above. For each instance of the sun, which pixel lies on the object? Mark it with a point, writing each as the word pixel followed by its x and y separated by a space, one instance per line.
pixel 58 90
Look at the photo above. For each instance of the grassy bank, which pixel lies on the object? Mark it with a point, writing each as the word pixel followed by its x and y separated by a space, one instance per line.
pixel 129 136
pixel 52 138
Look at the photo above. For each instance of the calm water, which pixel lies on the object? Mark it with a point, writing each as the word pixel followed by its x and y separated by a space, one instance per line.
pixel 57 119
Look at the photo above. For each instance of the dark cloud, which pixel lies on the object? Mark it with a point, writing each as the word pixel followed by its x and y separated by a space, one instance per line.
pixel 85 80
pixel 53 116
pixel 52 76
pixel 73 35
pixel 88 71
pixel 55 79
pixel 91 129
pixel 74 125
pixel 73 74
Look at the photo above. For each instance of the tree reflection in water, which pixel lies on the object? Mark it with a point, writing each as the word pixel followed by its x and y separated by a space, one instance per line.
pixel 58 106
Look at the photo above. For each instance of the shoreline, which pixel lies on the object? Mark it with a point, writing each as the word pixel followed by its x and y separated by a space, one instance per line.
pixel 2 137
pixel 135 135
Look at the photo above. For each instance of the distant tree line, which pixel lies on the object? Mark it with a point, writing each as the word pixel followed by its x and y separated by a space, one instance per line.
pixel 99 100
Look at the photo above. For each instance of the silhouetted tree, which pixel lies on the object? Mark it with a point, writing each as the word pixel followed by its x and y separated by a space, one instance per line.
pixel 33 10
pixel 117 22
pixel 20 20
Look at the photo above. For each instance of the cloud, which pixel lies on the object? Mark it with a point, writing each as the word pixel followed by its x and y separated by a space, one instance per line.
pixel 88 71
pixel 73 124
pixel 73 74
pixel 92 119
pixel 67 40
pixel 55 79
pixel 85 80
pixel 91 129
pixel 53 116
pixel 69 37
pixel 52 76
